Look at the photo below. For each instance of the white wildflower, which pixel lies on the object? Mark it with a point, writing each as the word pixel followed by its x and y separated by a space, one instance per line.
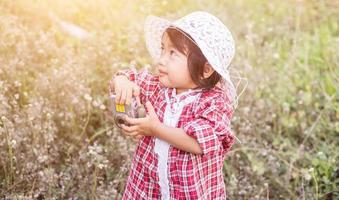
pixel 41 51
pixel 75 100
pixel 276 56
pixel 88 97
pixel 307 176
pixel 12 143
pixel 102 107
pixel 96 103
pixel 17 83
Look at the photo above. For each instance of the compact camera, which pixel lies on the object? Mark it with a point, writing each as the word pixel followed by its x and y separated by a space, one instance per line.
pixel 120 111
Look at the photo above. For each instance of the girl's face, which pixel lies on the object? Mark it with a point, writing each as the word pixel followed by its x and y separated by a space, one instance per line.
pixel 172 67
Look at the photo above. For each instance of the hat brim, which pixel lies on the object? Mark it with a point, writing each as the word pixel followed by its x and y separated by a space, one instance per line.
pixel 154 29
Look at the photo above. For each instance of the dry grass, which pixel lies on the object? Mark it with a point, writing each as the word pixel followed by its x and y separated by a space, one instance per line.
pixel 56 141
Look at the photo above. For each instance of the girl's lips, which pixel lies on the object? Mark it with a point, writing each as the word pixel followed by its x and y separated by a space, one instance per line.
pixel 162 73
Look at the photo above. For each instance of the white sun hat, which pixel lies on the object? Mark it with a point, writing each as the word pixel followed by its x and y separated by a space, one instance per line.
pixel 208 33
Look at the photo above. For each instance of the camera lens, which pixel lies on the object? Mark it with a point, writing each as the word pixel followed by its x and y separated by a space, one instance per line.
pixel 119 120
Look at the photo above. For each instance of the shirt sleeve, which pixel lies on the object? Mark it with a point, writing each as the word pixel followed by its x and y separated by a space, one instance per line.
pixel 211 127
pixel 149 84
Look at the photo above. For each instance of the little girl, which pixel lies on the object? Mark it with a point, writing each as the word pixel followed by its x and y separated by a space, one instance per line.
pixel 186 133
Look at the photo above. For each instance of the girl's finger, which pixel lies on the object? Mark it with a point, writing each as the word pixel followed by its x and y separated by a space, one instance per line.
pixel 137 137
pixel 133 121
pixel 123 97
pixel 132 134
pixel 124 128
pixel 129 96
pixel 117 95
pixel 136 94
pixel 124 132
pixel 129 129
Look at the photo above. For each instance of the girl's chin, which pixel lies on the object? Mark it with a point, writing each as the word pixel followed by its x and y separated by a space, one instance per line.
pixel 164 82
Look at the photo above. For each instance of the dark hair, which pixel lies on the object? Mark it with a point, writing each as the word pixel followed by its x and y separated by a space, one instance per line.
pixel 195 58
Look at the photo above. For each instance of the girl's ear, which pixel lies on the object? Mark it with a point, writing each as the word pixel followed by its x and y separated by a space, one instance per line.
pixel 208 70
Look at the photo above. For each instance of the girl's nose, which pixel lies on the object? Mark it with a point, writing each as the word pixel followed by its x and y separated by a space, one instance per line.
pixel 162 60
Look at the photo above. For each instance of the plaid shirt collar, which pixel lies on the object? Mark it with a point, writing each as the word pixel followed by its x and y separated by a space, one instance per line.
pixel 173 96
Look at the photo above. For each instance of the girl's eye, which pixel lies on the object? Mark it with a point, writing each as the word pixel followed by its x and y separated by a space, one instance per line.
pixel 173 53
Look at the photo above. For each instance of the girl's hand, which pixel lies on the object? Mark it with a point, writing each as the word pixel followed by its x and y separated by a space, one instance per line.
pixel 124 90
pixel 142 126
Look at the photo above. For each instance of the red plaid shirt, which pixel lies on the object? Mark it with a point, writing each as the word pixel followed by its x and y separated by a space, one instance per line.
pixel 190 176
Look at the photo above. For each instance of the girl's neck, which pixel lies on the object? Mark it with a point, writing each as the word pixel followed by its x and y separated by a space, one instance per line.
pixel 180 91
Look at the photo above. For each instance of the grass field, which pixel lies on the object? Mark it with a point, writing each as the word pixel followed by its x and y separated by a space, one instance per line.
pixel 57 142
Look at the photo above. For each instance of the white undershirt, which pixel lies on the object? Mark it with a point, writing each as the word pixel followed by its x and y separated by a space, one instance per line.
pixel 161 148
